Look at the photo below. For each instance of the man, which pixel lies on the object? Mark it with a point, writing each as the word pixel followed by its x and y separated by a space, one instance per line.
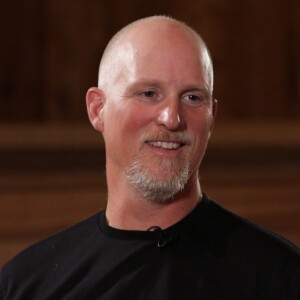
pixel 160 237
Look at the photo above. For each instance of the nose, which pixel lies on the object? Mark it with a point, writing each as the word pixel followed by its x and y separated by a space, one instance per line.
pixel 170 115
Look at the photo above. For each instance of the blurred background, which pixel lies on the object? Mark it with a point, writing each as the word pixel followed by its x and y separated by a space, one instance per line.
pixel 52 164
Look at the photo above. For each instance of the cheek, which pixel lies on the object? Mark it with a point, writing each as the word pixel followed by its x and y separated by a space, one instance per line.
pixel 133 121
pixel 201 123
pixel 200 127
pixel 124 126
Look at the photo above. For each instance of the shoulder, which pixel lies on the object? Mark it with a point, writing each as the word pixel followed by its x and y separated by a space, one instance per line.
pixel 40 258
pixel 258 255
pixel 77 233
pixel 244 236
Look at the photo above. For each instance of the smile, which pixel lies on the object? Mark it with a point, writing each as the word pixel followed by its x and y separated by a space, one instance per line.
pixel 165 145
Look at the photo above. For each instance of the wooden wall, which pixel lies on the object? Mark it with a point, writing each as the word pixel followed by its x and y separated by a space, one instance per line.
pixel 51 160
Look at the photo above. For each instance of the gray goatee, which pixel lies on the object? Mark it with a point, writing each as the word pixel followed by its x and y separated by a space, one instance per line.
pixel 152 186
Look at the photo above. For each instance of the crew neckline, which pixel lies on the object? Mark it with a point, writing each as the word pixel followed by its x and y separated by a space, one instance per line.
pixel 123 234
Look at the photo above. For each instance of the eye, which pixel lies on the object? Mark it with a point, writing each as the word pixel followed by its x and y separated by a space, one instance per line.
pixel 193 99
pixel 149 94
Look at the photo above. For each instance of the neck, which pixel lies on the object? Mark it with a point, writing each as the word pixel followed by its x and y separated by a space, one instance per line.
pixel 127 210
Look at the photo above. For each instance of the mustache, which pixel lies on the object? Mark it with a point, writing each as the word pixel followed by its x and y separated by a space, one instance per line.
pixel 180 137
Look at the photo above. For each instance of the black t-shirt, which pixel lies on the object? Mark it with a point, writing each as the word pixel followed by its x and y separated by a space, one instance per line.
pixel 210 254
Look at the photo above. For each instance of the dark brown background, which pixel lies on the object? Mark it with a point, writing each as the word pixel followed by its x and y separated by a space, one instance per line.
pixel 51 160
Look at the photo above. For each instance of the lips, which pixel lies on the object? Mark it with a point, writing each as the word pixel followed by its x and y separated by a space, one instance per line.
pixel 165 145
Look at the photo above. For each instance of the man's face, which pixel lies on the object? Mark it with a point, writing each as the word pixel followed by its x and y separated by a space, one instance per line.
pixel 158 116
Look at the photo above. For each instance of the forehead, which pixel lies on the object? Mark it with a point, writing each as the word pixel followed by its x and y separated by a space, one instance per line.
pixel 170 58
pixel 162 50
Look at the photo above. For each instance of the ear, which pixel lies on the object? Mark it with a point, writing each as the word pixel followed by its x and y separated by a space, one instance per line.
pixel 95 100
pixel 215 108
pixel 214 114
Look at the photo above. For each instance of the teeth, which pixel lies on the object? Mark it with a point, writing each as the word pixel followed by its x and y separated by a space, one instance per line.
pixel 165 145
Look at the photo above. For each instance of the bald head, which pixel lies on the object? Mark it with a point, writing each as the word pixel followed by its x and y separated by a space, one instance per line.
pixel 150 34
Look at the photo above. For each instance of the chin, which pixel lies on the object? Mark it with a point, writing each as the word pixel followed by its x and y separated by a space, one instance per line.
pixel 160 184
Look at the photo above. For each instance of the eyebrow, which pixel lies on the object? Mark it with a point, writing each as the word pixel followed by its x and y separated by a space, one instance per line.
pixel 134 86
pixel 143 83
pixel 195 88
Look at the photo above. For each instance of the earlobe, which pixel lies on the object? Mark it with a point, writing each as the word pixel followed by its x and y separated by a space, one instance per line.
pixel 95 100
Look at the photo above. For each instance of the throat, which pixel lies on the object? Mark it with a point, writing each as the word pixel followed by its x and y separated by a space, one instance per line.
pixel 145 215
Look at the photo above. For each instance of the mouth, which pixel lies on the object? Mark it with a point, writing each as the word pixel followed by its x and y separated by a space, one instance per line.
pixel 165 145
